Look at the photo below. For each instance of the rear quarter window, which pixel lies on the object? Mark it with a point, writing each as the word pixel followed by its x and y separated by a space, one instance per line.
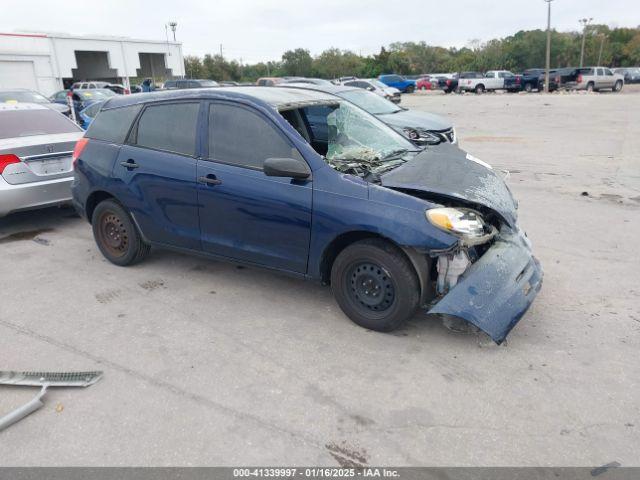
pixel 170 127
pixel 113 125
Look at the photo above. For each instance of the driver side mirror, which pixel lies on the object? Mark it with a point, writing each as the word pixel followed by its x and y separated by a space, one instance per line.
pixel 295 168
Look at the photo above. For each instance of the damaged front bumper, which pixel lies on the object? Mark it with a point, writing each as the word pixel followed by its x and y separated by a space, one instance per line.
pixel 497 289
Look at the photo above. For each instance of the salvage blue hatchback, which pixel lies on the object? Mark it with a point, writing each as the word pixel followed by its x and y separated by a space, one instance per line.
pixel 307 183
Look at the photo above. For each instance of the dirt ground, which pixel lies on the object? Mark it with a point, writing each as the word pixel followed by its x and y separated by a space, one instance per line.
pixel 209 364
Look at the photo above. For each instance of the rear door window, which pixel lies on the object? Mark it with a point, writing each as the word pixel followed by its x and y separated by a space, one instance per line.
pixel 170 127
pixel 113 125
pixel 231 126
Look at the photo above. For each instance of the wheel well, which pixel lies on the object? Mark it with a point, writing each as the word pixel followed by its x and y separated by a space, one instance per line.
pixel 92 202
pixel 480 85
pixel 339 244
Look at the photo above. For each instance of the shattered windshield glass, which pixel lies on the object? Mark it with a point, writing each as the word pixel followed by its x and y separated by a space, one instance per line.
pixel 360 144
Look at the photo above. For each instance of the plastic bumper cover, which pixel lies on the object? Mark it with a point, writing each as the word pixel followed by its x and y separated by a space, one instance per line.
pixel 496 291
pixel 26 196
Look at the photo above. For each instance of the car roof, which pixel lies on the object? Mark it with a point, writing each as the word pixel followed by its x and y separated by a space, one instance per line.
pixel 277 97
pixel 5 107
pixel 332 89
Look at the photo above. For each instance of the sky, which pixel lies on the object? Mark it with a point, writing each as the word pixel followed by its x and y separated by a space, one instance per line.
pixel 260 30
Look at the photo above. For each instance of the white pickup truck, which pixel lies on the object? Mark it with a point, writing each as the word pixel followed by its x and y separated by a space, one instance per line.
pixel 490 81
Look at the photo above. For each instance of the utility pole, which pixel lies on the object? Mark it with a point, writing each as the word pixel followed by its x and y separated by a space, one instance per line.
pixel 221 50
pixel 585 23
pixel 602 35
pixel 173 26
pixel 547 64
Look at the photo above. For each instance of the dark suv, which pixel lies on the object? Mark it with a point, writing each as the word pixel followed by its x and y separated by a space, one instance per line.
pixel 307 183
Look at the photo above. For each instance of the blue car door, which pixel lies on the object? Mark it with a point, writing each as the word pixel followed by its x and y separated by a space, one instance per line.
pixel 244 214
pixel 157 173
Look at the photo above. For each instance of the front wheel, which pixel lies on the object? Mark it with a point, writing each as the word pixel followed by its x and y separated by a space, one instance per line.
pixel 479 89
pixel 618 86
pixel 528 87
pixel 375 285
pixel 116 235
pixel 590 87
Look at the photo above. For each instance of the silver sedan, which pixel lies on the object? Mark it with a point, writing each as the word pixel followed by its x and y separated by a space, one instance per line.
pixel 36 146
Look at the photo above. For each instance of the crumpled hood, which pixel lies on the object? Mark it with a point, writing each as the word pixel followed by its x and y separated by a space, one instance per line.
pixel 451 172
pixel 416 119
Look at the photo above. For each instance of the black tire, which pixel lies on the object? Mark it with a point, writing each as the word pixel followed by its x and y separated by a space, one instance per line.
pixel 411 89
pixel 528 87
pixel 116 235
pixel 590 87
pixel 479 89
pixel 618 86
pixel 375 285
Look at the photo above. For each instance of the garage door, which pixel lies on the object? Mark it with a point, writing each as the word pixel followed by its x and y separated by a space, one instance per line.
pixel 17 75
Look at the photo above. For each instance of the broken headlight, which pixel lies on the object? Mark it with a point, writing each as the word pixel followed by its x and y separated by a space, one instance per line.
pixel 421 136
pixel 463 222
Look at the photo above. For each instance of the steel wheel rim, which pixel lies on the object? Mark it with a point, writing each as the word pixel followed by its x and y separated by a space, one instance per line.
pixel 370 287
pixel 114 236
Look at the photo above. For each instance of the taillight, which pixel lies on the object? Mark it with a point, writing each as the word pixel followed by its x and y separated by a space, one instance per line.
pixel 127 91
pixel 448 82
pixel 77 150
pixel 7 159
pixel 518 80
pixel 580 78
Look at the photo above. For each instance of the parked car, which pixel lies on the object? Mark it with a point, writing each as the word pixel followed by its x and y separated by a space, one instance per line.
pixel 35 156
pixel 421 128
pixel 631 75
pixel 593 79
pixel 89 85
pixel 312 81
pixel 377 87
pixel 269 81
pixel 23 95
pixel 398 81
pixel 490 81
pixel 118 88
pixel 447 83
pixel 86 116
pixel 190 83
pixel 221 172
pixel 426 83
pixel 83 98
pixel 533 79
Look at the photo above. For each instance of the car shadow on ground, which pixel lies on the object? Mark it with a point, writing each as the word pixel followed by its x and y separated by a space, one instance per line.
pixel 30 225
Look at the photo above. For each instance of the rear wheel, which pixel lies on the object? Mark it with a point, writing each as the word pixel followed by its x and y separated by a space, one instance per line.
pixel 618 86
pixel 528 87
pixel 375 285
pixel 479 89
pixel 590 87
pixel 116 235
pixel 411 89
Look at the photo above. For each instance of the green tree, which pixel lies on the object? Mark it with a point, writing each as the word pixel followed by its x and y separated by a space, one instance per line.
pixel 297 63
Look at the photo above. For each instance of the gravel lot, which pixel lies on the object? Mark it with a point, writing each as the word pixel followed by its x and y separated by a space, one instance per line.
pixel 210 364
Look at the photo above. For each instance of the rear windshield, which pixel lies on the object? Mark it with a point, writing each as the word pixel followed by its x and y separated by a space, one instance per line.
pixel 26 123
pixel 22 96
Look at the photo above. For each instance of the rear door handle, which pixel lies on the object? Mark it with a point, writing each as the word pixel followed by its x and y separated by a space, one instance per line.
pixel 209 180
pixel 129 164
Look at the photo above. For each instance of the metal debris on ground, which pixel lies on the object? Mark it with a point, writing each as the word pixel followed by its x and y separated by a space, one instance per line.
pixel 43 380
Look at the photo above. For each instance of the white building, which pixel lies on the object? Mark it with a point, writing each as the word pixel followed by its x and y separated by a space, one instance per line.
pixel 48 62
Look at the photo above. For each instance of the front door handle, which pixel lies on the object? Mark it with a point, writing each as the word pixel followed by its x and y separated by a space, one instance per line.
pixel 129 164
pixel 209 180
